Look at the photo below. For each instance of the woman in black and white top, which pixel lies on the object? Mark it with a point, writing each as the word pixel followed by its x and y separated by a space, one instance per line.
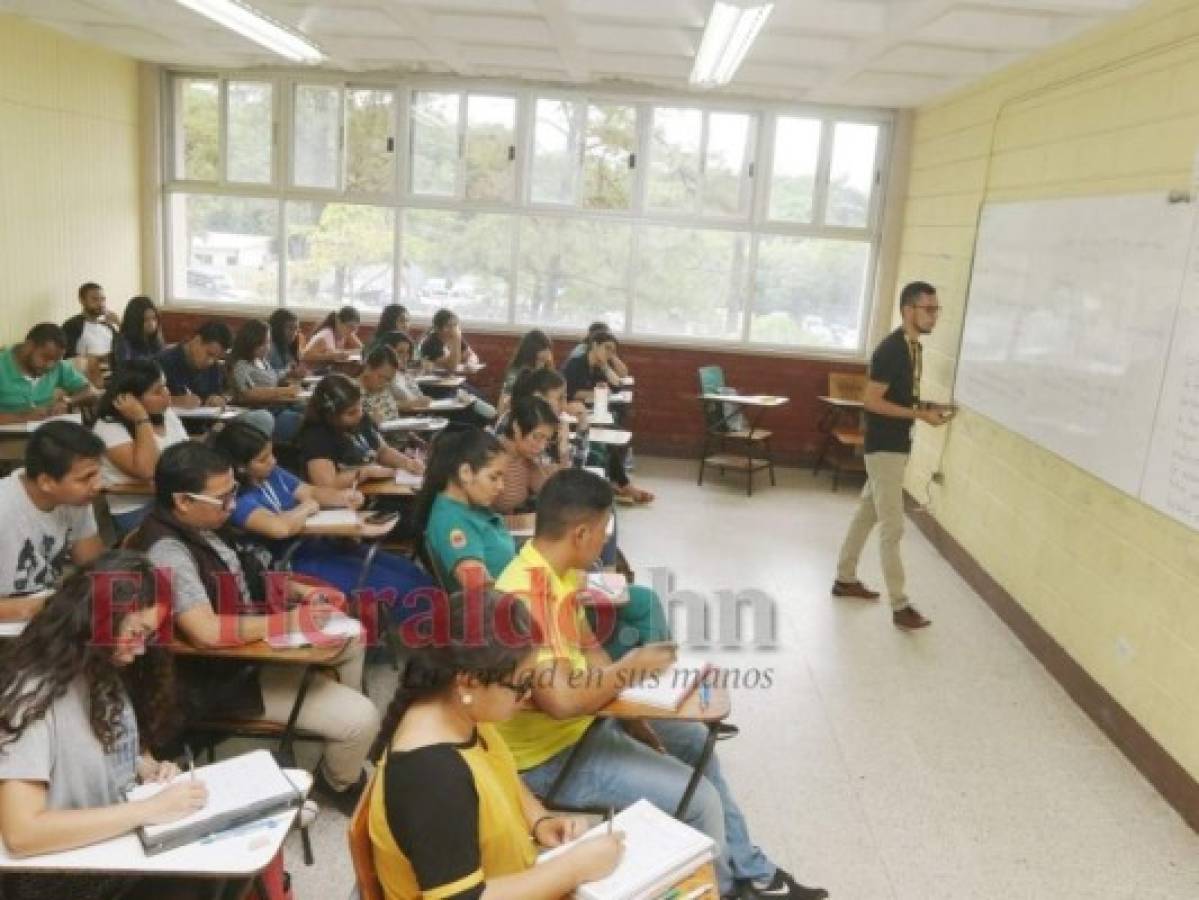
pixel 254 382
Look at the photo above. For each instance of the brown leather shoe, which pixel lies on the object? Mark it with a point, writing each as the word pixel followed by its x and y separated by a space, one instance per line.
pixel 853 589
pixel 909 619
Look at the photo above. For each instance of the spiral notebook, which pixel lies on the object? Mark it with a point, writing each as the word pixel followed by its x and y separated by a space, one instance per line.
pixel 240 790
pixel 659 851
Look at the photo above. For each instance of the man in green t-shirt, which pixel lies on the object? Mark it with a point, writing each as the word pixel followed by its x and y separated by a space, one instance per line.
pixel 35 383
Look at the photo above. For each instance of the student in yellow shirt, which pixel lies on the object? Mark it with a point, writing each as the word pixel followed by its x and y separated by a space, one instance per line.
pixel 622 761
pixel 449 815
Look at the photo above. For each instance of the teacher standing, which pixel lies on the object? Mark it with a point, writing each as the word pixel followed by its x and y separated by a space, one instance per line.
pixel 892 403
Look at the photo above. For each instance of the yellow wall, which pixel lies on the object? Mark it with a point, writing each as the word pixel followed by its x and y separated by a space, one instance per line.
pixel 1114 582
pixel 68 175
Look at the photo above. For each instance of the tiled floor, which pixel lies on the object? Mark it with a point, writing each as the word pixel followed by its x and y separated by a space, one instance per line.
pixel 941 764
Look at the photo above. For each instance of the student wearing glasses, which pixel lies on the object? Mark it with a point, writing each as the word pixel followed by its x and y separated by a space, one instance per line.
pixel 75 715
pixel 526 433
pixel 213 605
pixel 892 403
pixel 449 815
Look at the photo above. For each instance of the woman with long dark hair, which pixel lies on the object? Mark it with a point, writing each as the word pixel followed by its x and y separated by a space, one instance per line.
pixel 254 383
pixel 339 443
pixel 449 814
pixel 76 712
pixel 284 353
pixel 136 422
pixel 140 334
pixel 335 338
pixel 393 318
pixel 527 432
pixel 534 351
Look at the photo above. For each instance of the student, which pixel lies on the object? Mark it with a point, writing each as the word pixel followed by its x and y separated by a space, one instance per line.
pixel 335 339
pixel 140 334
pixel 535 351
pixel 527 431
pixel 91 332
pixel 339 444
pixel 46 509
pixel 74 718
pixel 448 813
pixel 284 353
pixel 549 386
pixel 273 504
pixel 406 389
pixel 136 423
pixel 195 493
pixel 254 383
pixel 35 382
pixel 192 367
pixel 585 371
pixel 615 363
pixel 444 346
pixel 393 318
pixel 892 404
pixel 622 761
pixel 469 543
pixel 378 385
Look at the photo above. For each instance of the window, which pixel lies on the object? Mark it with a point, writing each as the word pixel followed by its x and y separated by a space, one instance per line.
pixel 690 282
pixel 340 253
pixel 793 179
pixel 557 145
pixel 810 292
pixel 370 141
pixel 316 150
pixel 521 207
pixel 459 260
pixel 609 156
pixel 197 137
pixel 240 233
pixel 573 271
pixel 851 180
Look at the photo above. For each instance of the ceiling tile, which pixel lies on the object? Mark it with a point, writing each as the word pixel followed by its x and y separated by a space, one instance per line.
pixel 493 29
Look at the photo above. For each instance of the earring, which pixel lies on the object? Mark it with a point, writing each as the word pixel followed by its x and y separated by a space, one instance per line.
pixel 467 699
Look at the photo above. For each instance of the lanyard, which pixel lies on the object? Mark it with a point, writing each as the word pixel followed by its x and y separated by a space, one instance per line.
pixel 272 499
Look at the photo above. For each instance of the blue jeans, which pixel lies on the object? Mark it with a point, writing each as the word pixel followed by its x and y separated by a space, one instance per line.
pixel 618 770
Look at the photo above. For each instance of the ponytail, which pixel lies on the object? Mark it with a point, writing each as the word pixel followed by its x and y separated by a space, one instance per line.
pixel 472 446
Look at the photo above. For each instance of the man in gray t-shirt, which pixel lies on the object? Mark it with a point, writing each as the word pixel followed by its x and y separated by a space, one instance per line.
pixel 46 516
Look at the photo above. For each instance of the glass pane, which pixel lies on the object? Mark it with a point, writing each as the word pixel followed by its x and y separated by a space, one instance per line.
pixel 197 135
pixel 556 142
pixel 689 282
pixel 317 136
pixel 726 182
pixel 340 253
pixel 458 260
pixel 573 271
pixel 796 150
pixel 435 143
pixel 224 248
pixel 851 177
pixel 674 159
pixel 608 158
pixel 810 292
pixel 251 136
pixel 370 141
pixel 490 147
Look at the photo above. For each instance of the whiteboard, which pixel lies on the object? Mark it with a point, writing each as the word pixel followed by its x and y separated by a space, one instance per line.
pixel 1076 337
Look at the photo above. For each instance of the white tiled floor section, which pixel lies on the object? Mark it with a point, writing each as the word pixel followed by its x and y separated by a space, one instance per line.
pixel 942 764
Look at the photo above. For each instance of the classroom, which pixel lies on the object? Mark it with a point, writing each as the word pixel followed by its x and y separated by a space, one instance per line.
pixel 611 449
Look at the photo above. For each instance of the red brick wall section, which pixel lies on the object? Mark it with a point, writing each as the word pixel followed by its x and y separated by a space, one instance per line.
pixel 667 419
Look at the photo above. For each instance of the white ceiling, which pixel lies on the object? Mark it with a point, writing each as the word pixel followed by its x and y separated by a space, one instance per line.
pixel 860 52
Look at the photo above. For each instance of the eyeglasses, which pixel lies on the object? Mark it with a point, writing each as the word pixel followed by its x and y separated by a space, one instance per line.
pixel 930 309
pixel 225 501
pixel 521 688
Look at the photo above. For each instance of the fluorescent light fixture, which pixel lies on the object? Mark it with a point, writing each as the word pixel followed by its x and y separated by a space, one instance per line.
pixel 249 23
pixel 731 30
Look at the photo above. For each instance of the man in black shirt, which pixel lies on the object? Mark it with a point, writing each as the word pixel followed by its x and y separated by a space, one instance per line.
pixel 892 403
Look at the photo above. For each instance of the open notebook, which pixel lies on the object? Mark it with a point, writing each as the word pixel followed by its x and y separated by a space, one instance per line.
pixel 333 518
pixel 338 628
pixel 242 789
pixel 659 851
pixel 669 688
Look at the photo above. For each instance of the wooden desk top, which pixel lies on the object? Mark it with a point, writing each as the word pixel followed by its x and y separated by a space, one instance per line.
pixel 841 402
pixel 763 400
pixel 720 704
pixel 385 487
pixel 261 651
pixel 703 877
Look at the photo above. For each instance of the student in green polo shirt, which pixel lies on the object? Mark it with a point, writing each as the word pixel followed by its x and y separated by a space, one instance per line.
pixel 469 544
pixel 35 382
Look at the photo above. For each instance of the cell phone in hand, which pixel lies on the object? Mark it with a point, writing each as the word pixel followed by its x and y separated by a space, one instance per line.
pixel 380 516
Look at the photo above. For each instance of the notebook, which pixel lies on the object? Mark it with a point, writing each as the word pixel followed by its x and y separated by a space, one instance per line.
pixel 659 851
pixel 609 586
pixel 240 790
pixel 413 423
pixel 669 688
pixel 209 412
pixel 332 518
pixel 338 628
pixel 409 479
pixel 446 403
pixel 30 427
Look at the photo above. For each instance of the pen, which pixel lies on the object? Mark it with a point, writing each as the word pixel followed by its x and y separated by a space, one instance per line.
pixel 191 761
